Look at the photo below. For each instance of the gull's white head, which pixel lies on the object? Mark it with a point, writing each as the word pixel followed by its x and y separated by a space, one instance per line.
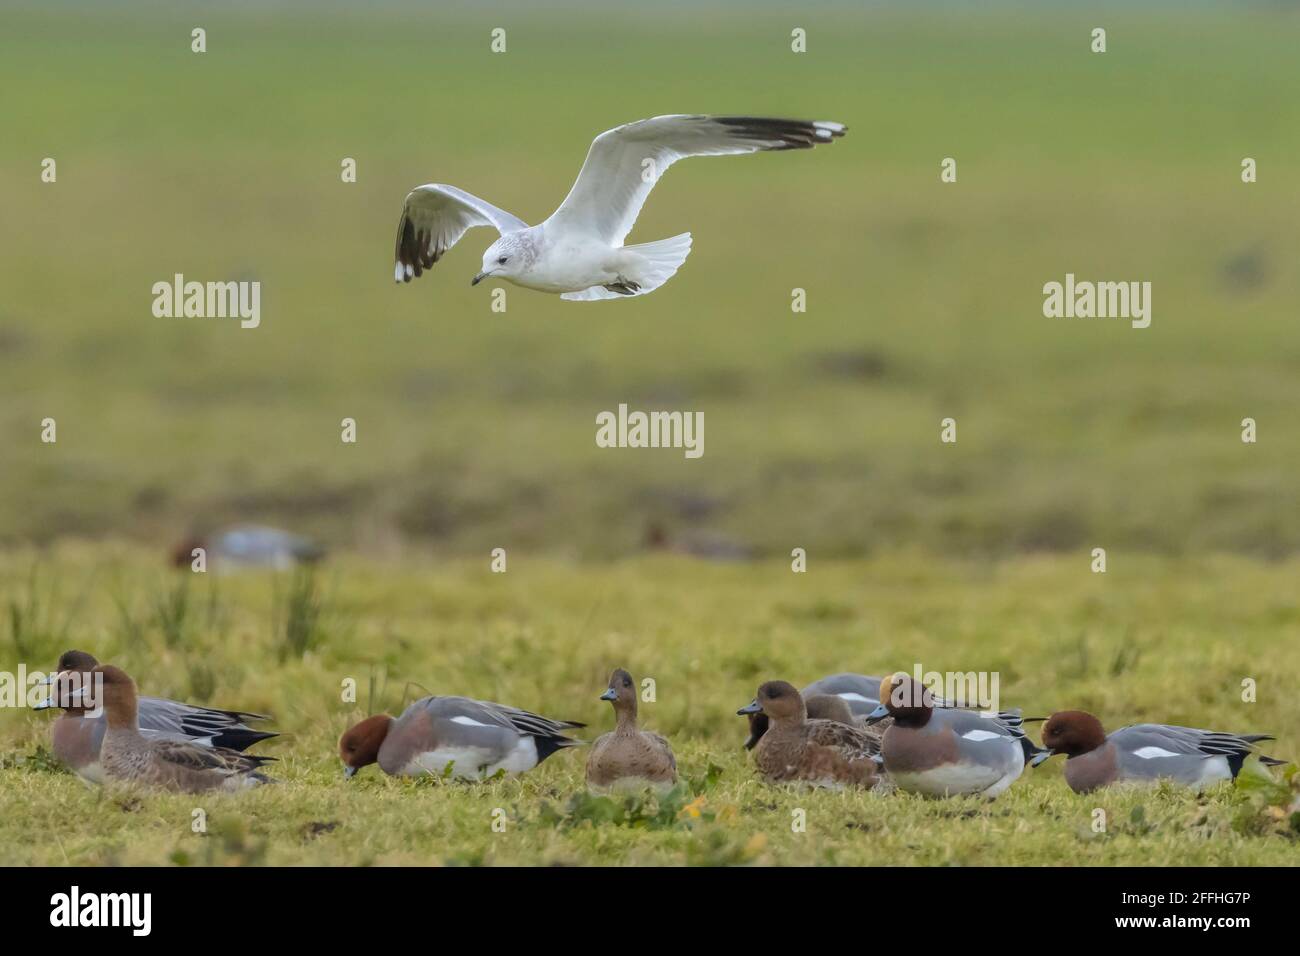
pixel 507 258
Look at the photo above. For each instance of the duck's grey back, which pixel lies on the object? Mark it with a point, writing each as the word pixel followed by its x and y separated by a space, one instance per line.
pixel 859 691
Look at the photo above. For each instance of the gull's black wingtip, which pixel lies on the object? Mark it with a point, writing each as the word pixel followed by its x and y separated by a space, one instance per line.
pixel 787 133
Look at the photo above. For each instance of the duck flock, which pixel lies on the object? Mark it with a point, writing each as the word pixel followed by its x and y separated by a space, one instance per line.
pixel 845 730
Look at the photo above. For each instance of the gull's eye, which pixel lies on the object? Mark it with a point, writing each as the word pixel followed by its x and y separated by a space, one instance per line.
pixel 502 260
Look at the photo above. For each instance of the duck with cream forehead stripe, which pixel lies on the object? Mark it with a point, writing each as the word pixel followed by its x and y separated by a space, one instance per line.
pixel 942 751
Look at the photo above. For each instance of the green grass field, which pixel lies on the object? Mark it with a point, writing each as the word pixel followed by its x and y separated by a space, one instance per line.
pixel 476 428
pixel 1150 641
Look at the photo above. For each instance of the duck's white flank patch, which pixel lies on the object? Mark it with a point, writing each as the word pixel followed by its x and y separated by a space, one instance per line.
pixel 849 695
pixel 980 735
pixel 470 721
pixel 1214 770
pixel 1149 753
pixel 472 763
pixel 949 779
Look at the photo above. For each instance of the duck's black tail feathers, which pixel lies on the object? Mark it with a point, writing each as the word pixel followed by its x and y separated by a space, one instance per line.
pixel 1031 749
pixel 548 745
pixel 240 738
pixel 1237 759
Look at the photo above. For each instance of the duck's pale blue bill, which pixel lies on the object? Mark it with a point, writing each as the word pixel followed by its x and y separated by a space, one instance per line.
pixel 349 773
pixel 609 694
pixel 46 704
pixel 1038 758
pixel 76 697
pixel 750 708
pixel 877 715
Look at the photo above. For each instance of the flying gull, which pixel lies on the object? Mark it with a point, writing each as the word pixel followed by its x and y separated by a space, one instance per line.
pixel 579 252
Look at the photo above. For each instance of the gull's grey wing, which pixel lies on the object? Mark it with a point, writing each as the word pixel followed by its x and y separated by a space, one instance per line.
pixel 624 163
pixel 434 217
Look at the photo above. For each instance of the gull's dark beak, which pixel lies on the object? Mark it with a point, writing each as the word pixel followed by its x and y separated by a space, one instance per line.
pixel 877 715
pixel 349 773
pixel 478 278
pixel 609 694
pixel 750 708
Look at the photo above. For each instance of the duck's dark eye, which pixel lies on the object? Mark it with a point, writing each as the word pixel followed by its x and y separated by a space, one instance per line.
pixel 502 260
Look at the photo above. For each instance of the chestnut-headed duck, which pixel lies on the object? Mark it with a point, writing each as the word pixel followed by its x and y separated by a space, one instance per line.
pixel 946 751
pixel 126 756
pixel 821 752
pixel 248 546
pixel 458 736
pixel 628 757
pixel 1144 753
pixel 77 736
pixel 859 692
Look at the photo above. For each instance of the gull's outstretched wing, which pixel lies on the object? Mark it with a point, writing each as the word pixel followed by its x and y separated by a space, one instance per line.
pixel 624 163
pixel 434 217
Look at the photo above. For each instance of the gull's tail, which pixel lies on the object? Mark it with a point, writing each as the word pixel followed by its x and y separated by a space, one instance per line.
pixel 649 265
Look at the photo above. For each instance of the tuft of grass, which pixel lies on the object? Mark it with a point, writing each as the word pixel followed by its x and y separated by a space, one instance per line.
pixel 39 619
pixel 171 611
pixel 297 612
pixel 1270 801
pixel 40 759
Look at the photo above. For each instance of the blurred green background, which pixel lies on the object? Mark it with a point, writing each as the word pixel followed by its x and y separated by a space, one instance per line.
pixel 476 429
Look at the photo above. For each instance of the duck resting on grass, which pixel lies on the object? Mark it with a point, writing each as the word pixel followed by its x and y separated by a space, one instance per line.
pixel 947 751
pixel 859 693
pixel 454 736
pixel 824 753
pixel 77 736
pixel 1144 753
pixel 128 757
pixel 628 757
